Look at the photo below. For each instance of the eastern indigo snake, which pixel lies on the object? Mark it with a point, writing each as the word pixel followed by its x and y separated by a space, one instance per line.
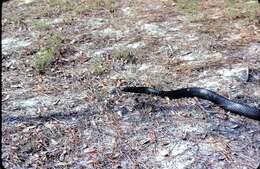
pixel 229 105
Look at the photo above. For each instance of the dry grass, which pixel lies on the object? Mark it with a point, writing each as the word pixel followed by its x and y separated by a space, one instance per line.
pixel 124 54
pixel 187 68
pixel 192 8
pixel 92 5
pixel 242 8
pixel 195 9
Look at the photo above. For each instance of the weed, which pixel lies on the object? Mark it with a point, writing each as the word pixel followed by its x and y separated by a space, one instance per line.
pixel 31 145
pixel 252 10
pixel 55 7
pixel 67 20
pixel 41 25
pixel 81 9
pixel 44 11
pixel 97 66
pixel 101 4
pixel 43 59
pixel 13 19
pixel 53 41
pixel 62 4
pixel 232 8
pixel 241 8
pixel 99 69
pixel 192 8
pixel 123 53
pixel 47 55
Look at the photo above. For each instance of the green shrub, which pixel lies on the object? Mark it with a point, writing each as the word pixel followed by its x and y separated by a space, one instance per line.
pixel 48 54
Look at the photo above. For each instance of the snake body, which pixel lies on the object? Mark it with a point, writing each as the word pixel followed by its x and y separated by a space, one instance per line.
pixel 223 102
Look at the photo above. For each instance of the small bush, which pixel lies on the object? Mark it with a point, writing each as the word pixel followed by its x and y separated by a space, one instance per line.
pixel 43 59
pixel 48 54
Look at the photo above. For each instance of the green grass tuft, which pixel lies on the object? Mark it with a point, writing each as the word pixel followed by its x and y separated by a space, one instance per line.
pixel 47 55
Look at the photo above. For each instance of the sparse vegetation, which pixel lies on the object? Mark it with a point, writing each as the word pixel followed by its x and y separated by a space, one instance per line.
pixel 63 5
pixel 43 59
pixel 75 115
pixel 192 9
pixel 59 6
pixel 41 25
pixel 241 8
pixel 48 54
pixel 97 66
pixel 81 9
pixel 56 7
pixel 123 53
pixel 252 10
pixel 101 4
pixel 31 145
pixel 13 19
pixel 59 3
pixel 91 5
pixel 231 8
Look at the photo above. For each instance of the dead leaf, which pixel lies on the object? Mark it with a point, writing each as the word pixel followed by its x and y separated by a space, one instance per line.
pixel 90 150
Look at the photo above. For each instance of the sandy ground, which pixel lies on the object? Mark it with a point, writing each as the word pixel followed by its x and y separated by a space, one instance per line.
pixel 73 115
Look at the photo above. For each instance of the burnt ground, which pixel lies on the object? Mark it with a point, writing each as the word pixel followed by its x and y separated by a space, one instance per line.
pixel 72 113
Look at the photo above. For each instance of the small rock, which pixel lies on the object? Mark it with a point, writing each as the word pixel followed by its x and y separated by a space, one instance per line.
pixel 164 152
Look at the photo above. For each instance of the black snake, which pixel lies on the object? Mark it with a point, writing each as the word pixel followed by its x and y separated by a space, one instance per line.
pixel 232 106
